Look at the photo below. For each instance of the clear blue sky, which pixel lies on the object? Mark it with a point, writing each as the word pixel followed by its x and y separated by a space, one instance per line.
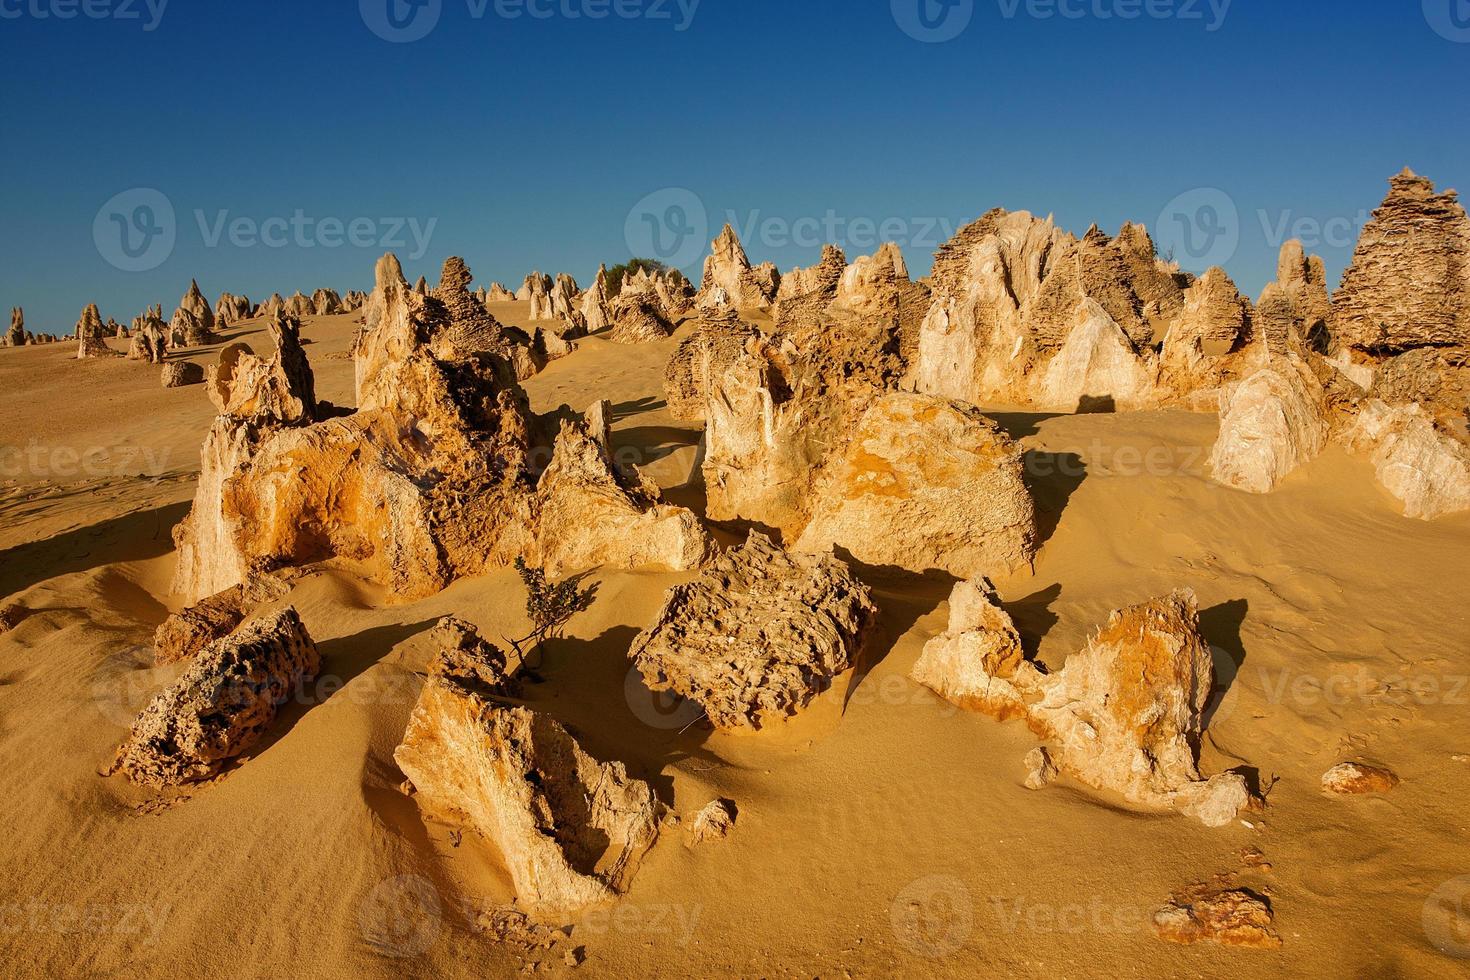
pixel 529 140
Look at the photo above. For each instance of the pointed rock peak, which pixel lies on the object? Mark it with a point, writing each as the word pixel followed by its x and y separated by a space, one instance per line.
pixel 456 275
pixel 389 272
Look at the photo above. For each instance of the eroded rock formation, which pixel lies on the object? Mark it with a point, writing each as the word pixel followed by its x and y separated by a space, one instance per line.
pixel 701 359
pixel 758 635
pixel 570 830
pixel 1409 282
pixel 1271 423
pixel 189 631
pixel 729 279
pixel 925 483
pixel 16 336
pixel 90 334
pixel 638 318
pixel 1418 459
pixel 1225 917
pixel 590 514
pixel 221 705
pixel 181 374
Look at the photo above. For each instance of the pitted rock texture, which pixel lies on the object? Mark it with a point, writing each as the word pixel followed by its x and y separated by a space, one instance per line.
pixel 1409 282
pixel 757 635
pixel 221 705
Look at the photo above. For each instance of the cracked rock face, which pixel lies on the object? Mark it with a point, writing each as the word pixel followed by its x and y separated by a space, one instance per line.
pixel 570 830
pixel 926 483
pixel 1409 282
pixel 221 705
pixel 1271 423
pixel 1114 731
pixel 592 515
pixel 1417 459
pixel 701 359
pixel 189 631
pixel 757 635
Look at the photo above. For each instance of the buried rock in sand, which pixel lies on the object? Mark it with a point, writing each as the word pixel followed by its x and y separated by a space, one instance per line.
pixel 759 634
pixel 221 705
pixel 1353 778
pixel 1231 917
pixel 190 630
pixel 1125 714
pixel 570 830
pixel 713 822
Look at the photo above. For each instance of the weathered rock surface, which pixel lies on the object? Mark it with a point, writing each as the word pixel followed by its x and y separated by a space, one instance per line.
pixel 729 278
pixel 1126 713
pixel 472 330
pixel 198 307
pixel 90 335
pixel 189 631
pixel 637 318
pixel 1417 459
pixel 16 336
pixel 431 479
pixel 221 705
pixel 713 822
pixel 1040 769
pixel 1354 778
pixel 757 635
pixel 1225 917
pixel 571 831
pixel 1271 423
pixel 326 302
pixel 180 374
pixel 298 304
pixel 468 659
pixel 594 306
pixel 230 308
pixel 926 483
pixel 591 515
pixel 1409 282
pixel 701 359
pixel 974 662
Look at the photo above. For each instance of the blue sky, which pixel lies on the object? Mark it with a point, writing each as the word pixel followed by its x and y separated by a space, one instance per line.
pixel 561 140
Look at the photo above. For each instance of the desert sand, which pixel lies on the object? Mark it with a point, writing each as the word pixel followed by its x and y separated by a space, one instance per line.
pixel 882 831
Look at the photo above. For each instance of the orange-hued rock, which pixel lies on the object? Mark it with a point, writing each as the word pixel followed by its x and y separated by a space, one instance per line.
pixel 637 317
pixel 570 830
pixel 758 635
pixel 1126 713
pixel 925 483
pixel 1353 778
pixel 221 705
pixel 16 336
pixel 189 631
pixel 1225 917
